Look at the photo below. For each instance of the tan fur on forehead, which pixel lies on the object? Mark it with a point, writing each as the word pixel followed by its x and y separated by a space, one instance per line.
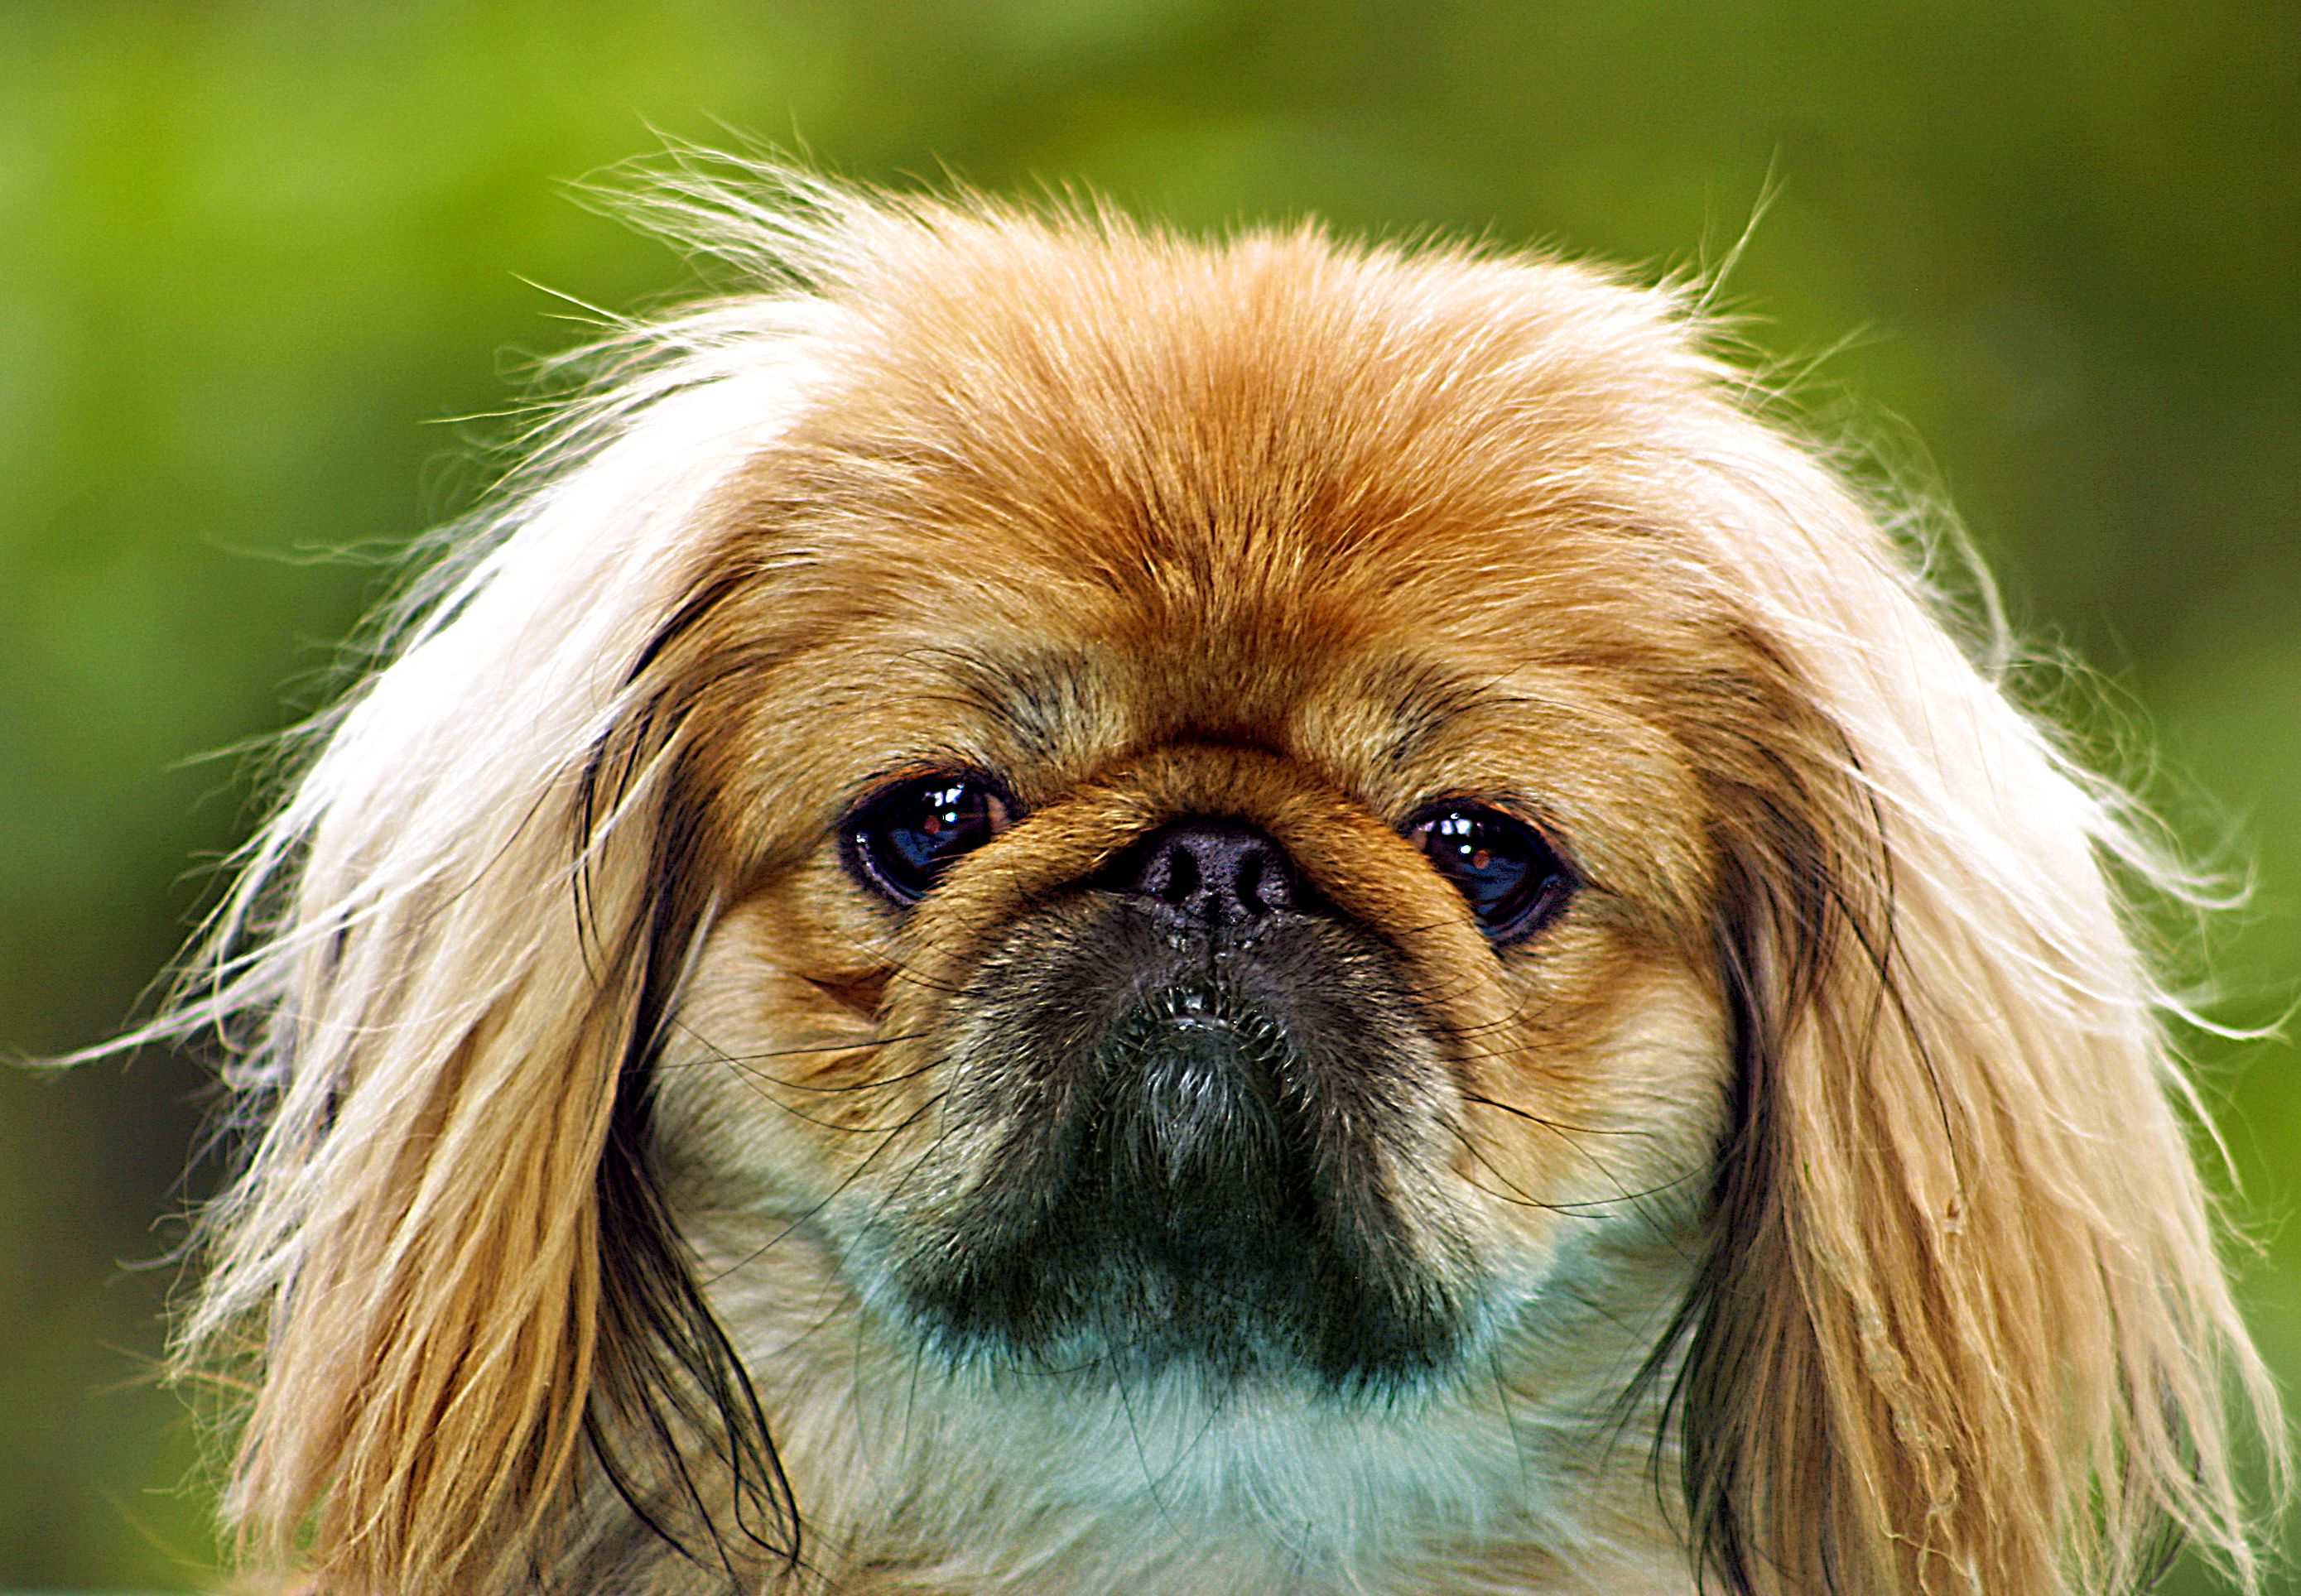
pixel 1266 434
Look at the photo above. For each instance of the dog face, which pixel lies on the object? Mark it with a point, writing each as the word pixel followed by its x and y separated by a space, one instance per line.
pixel 1327 863
pixel 1254 854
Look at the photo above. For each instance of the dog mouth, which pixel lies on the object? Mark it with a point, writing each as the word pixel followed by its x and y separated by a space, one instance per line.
pixel 1195 1106
pixel 1217 1151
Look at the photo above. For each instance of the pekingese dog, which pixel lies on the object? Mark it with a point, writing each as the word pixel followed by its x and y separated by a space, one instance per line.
pixel 1057 910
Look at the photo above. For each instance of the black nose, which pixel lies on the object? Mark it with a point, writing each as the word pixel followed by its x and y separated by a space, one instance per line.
pixel 1212 872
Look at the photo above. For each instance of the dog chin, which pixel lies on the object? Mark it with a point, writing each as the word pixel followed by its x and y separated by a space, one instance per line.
pixel 1183 1240
pixel 1178 1147
pixel 1225 1433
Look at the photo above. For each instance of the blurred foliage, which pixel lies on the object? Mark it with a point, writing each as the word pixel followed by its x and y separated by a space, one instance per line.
pixel 250 250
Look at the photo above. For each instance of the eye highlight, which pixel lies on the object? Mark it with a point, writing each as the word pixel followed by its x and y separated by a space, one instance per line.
pixel 1512 879
pixel 902 840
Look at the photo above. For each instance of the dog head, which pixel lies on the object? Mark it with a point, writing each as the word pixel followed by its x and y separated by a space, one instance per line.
pixel 1329 850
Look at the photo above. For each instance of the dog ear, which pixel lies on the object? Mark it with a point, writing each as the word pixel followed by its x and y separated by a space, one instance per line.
pixel 446 1259
pixel 1963 1327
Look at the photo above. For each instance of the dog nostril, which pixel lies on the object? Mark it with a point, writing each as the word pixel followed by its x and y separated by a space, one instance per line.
pixel 1173 876
pixel 1218 872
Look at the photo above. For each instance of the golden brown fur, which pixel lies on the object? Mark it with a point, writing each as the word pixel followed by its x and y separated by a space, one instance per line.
pixel 1820 1174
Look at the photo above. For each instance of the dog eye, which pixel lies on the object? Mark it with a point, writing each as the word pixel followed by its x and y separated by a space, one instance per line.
pixel 904 838
pixel 1513 881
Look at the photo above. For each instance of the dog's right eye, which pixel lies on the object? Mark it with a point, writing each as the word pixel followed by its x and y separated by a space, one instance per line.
pixel 904 838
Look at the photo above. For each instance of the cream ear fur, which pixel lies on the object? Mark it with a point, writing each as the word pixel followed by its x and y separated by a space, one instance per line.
pixel 408 1269
pixel 1965 1332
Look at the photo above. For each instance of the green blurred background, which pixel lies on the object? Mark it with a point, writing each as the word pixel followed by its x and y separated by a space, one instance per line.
pixel 2047 255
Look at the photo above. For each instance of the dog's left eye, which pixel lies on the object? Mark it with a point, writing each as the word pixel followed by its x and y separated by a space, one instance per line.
pixel 1513 880
pixel 904 838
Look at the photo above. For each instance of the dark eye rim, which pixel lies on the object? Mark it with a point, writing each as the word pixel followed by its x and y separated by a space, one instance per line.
pixel 1545 903
pixel 857 853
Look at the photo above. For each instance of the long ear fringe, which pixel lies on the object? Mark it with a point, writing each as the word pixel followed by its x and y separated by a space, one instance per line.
pixel 1965 1328
pixel 436 979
